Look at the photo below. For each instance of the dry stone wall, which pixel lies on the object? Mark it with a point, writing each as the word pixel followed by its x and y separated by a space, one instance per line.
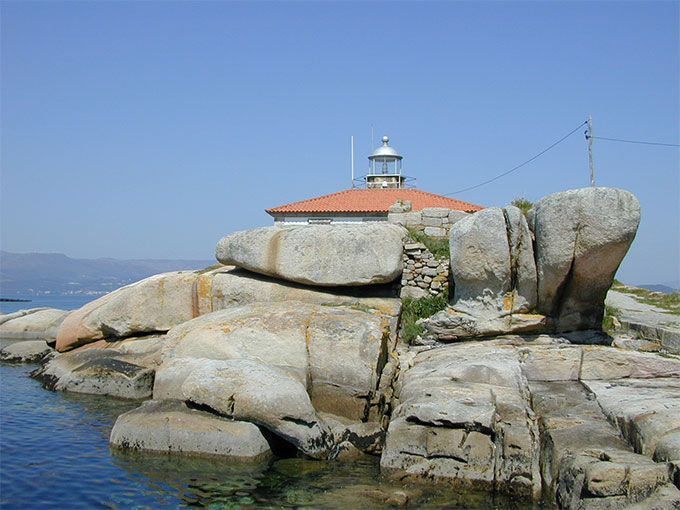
pixel 433 221
pixel 423 274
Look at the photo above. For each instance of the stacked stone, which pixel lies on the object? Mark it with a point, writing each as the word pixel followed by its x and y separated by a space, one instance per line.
pixel 423 273
pixel 433 221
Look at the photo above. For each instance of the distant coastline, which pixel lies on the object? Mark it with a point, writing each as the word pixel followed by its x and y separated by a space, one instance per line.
pixel 12 300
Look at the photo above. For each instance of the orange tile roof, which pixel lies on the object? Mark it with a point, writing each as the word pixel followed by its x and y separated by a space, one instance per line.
pixel 366 200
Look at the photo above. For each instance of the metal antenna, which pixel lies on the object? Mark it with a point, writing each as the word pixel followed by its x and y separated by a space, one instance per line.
pixel 352 157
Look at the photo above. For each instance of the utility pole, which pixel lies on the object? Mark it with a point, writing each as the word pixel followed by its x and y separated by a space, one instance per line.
pixel 590 149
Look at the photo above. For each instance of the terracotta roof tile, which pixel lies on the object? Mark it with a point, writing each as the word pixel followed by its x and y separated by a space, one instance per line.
pixel 365 200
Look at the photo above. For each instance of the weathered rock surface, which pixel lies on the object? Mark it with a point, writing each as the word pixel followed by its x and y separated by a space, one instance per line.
pixel 29 351
pixel 525 415
pixel 262 394
pixel 152 305
pixel 121 369
pixel 324 255
pixel 645 320
pixel 238 287
pixel 581 237
pixel 19 313
pixel 452 325
pixel 30 325
pixel 336 352
pixel 463 418
pixel 492 263
pixel 583 458
pixel 647 412
pixel 170 426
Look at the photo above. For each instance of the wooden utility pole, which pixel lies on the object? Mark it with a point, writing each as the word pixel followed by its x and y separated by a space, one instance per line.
pixel 590 149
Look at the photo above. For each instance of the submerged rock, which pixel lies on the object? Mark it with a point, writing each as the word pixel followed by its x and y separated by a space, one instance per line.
pixel 324 255
pixel 173 427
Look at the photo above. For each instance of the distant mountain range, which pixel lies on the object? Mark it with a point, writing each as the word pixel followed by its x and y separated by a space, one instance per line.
pixel 668 287
pixel 54 273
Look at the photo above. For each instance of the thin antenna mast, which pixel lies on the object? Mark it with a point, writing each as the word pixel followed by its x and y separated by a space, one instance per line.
pixel 590 149
pixel 352 157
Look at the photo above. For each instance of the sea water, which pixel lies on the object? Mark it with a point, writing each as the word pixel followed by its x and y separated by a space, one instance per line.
pixel 54 453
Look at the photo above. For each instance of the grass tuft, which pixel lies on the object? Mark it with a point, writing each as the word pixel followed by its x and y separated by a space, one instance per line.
pixel 439 247
pixel 421 308
pixel 668 302
pixel 610 320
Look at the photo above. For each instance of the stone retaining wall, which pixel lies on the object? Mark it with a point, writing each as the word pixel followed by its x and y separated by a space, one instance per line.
pixel 433 221
pixel 423 274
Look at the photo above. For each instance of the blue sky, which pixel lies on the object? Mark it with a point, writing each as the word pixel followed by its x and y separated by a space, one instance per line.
pixel 151 129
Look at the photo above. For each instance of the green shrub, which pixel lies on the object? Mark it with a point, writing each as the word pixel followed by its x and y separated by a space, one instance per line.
pixel 609 325
pixel 522 204
pixel 414 309
pixel 439 247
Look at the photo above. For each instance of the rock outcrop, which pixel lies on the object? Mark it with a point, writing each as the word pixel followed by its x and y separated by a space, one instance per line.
pixel 29 351
pixel 581 237
pixel 322 255
pixel 336 352
pixel 153 305
pixel 30 324
pixel 173 427
pixel 541 416
pixel 263 394
pixel 492 263
pixel 122 369
pixel 299 345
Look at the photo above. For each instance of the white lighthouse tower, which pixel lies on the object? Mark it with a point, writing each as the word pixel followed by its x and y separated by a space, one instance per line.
pixel 384 167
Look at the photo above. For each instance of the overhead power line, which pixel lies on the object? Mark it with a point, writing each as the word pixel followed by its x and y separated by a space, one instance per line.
pixel 522 164
pixel 632 141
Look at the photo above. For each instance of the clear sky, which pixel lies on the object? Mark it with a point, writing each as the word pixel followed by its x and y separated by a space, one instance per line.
pixel 151 129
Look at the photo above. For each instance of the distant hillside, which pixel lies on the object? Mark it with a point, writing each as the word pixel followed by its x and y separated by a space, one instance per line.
pixel 38 273
pixel 657 287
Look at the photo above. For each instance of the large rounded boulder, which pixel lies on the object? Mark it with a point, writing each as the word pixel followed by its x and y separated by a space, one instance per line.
pixel 492 263
pixel 582 236
pixel 337 353
pixel 324 255
pixel 152 305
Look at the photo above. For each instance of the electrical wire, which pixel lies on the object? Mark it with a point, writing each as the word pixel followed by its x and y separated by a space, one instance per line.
pixel 522 164
pixel 633 141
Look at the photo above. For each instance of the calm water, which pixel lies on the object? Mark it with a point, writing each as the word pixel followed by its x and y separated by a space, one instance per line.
pixel 46 300
pixel 54 453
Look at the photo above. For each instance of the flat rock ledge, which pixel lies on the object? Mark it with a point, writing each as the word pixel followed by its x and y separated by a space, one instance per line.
pixel 170 426
pixel 97 372
pixel 584 427
pixel 29 351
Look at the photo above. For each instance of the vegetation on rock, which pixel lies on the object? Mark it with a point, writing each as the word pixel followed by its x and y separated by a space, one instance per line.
pixel 668 302
pixel 439 247
pixel 522 204
pixel 610 321
pixel 421 308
